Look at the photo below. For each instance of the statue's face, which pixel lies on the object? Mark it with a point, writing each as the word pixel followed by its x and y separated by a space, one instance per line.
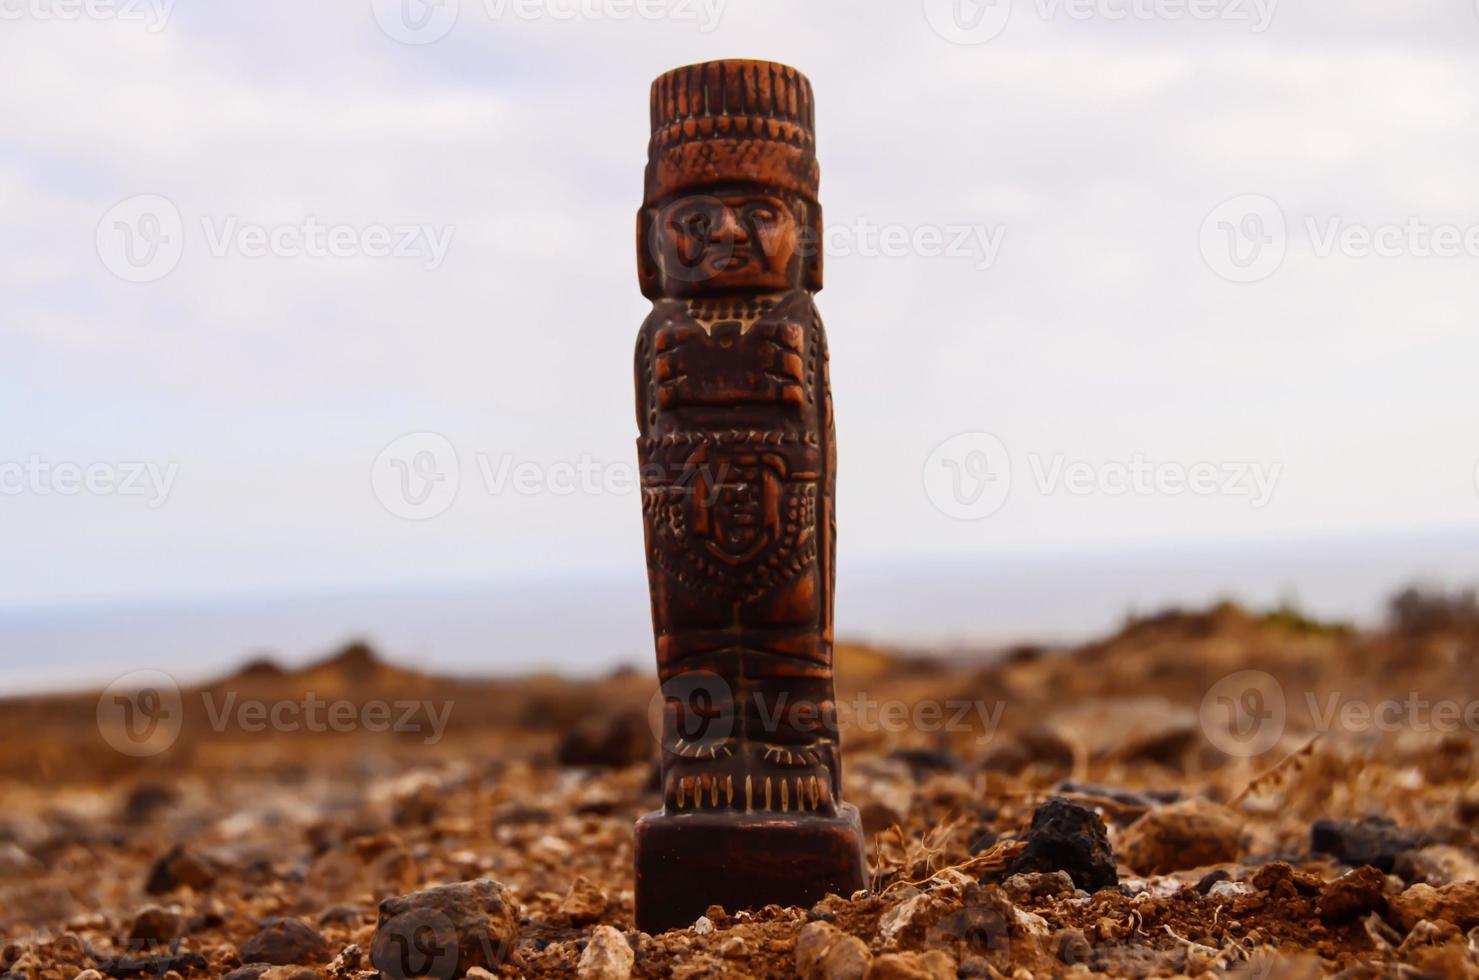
pixel 737 241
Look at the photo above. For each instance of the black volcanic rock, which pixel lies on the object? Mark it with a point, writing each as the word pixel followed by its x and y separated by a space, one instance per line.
pixel 1067 837
pixel 1376 841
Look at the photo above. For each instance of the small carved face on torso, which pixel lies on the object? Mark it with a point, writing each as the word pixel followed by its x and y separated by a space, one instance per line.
pixel 730 241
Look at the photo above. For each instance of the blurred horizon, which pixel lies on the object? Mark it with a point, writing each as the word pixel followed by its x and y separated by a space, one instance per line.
pixel 932 605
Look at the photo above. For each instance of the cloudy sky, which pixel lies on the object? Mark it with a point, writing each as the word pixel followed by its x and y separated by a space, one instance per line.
pixel 1103 274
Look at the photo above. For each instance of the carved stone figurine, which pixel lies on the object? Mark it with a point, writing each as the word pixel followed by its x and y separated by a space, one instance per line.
pixel 738 483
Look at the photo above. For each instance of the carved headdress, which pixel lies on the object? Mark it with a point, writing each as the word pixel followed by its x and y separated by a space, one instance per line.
pixel 726 123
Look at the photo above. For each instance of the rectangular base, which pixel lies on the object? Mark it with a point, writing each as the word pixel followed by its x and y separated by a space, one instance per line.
pixel 687 862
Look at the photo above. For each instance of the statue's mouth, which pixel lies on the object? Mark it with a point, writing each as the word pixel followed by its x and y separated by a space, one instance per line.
pixel 750 788
pixel 737 774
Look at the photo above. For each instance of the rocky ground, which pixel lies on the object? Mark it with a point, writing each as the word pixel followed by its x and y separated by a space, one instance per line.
pixel 1141 806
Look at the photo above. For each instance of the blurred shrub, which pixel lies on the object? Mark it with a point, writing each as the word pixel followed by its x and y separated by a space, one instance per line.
pixel 1422 609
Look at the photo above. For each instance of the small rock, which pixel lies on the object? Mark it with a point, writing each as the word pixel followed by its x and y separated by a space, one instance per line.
pixel 180 868
pixel 156 925
pixel 341 915
pixel 550 849
pixel 703 925
pixel 611 743
pixel 350 957
pixel 1211 878
pixel 1191 834
pixel 88 975
pixel 1067 837
pixel 478 973
pixel 607 956
pixel 14 859
pixel 1271 965
pixel 1230 889
pixel 285 941
pixel 934 965
pixel 983 925
pixel 1370 840
pixel 1436 949
pixel 417 804
pixel 812 944
pixel 1165 887
pixel 1280 878
pixel 584 903
pixel 848 959
pixel 734 948
pixel 1071 946
pixel 1466 807
pixel 974 966
pixel 1032 924
pixel 1437 864
pixel 823 952
pixel 145 800
pixel 904 916
pixel 291 973
pixel 1353 894
pixel 1021 887
pixel 151 966
pixel 209 915
pixel 451 929
pixel 251 971
pixel 1456 903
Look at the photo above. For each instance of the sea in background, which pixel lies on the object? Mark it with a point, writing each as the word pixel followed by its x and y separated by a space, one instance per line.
pixel 593 622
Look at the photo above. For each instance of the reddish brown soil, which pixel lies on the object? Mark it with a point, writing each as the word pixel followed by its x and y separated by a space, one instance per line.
pixel 321 826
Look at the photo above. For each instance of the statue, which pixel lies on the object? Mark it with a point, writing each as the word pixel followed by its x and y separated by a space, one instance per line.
pixel 738 485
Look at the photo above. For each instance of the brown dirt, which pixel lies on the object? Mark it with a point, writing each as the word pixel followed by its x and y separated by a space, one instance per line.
pixel 320 826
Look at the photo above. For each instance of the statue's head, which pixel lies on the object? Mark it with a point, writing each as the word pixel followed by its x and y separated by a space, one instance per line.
pixel 732 178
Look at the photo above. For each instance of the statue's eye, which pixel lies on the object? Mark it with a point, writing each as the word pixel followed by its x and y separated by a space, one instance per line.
pixel 763 214
pixel 695 224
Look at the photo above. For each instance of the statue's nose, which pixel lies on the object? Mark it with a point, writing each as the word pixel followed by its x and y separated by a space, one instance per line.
pixel 731 229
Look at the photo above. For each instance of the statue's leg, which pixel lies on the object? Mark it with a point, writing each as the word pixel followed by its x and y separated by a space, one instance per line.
pixel 752 812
